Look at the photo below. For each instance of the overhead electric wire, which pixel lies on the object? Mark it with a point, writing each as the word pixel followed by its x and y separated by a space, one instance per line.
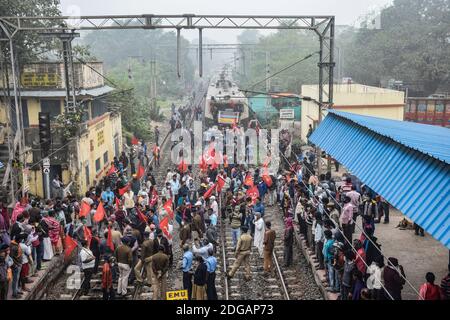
pixel 342 232
pixel 284 69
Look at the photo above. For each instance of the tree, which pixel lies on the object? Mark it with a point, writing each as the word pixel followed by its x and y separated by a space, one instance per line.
pixel 412 45
pixel 284 47
pixel 29 45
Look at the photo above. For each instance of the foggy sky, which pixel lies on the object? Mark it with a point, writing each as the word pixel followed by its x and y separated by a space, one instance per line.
pixel 346 11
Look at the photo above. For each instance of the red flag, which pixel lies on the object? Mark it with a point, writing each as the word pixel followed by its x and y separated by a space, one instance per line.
pixel 267 180
pixel 253 193
pixel 99 213
pixel 154 199
pixel 117 203
pixel 164 226
pixel 182 167
pixel 168 207
pixel 203 166
pixel 87 235
pixel 134 141
pixel 85 209
pixel 140 172
pixel 109 241
pixel 70 244
pixel 249 180
pixel 124 189
pixel 220 183
pixel 111 170
pixel 209 192
pixel 141 216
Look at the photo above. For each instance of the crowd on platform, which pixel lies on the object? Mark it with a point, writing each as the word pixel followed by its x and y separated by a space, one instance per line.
pixel 125 229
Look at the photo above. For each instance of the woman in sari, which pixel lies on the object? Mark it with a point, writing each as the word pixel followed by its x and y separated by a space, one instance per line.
pixel 54 230
pixel 20 207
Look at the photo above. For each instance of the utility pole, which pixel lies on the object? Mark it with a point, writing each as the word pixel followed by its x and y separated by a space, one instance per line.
pixel 267 71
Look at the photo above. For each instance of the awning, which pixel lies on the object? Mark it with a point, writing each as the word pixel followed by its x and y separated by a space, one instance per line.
pixel 406 163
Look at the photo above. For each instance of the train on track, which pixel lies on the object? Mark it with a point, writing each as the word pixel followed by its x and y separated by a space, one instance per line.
pixel 225 105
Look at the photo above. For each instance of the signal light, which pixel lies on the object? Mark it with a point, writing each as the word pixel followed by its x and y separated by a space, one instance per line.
pixel 45 138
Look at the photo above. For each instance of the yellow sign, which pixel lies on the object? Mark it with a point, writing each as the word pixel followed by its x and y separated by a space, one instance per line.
pixel 100 138
pixel 177 295
pixel 32 79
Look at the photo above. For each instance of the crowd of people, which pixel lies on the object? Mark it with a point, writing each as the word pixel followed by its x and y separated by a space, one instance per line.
pixel 125 228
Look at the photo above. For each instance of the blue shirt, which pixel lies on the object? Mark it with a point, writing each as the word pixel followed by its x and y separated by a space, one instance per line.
pixel 213 219
pixel 175 186
pixel 211 264
pixel 327 254
pixel 259 207
pixel 187 261
pixel 108 197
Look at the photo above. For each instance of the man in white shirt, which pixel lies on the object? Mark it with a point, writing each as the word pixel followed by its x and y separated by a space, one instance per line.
pixel 87 265
pixel 214 206
pixel 129 199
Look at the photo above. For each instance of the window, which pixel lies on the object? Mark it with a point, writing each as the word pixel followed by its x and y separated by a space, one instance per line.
pixel 51 106
pixel 439 106
pixel 97 165
pixel 86 169
pixel 105 158
pixel 422 107
pixel 413 107
pixel 98 108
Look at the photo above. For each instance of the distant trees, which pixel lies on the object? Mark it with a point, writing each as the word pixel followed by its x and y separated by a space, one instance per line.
pixel 412 45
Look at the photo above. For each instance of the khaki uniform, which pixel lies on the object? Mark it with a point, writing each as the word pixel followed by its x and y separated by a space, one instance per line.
pixel 185 234
pixel 160 265
pixel 243 250
pixel 147 251
pixel 197 225
pixel 269 244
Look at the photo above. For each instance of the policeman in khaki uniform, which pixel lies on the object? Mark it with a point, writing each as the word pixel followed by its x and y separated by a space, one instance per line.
pixel 242 254
pixel 147 251
pixel 160 266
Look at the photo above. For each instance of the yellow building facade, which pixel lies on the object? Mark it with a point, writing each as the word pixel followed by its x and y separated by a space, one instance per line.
pixel 354 98
pixel 85 158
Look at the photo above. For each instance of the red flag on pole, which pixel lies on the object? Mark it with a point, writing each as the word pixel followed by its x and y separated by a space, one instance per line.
pixel 209 192
pixel 70 244
pixel 112 170
pixel 99 213
pixel 249 180
pixel 85 209
pixel 220 183
pixel 134 141
pixel 164 226
pixel 267 180
pixel 140 172
pixel 253 193
pixel 154 198
pixel 87 235
pixel 141 216
pixel 168 207
pixel 109 241
pixel 203 165
pixel 182 167
pixel 124 189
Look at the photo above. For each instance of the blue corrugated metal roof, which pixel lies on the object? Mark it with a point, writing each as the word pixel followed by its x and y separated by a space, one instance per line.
pixel 432 140
pixel 411 180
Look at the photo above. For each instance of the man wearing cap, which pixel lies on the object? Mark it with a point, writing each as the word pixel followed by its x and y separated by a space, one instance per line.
pixel 160 266
pixel 147 250
pixel 197 225
pixel 242 253
pixel 333 213
pixel 269 244
pixel 259 233
pixel 235 224
pixel 124 257
pixel 185 232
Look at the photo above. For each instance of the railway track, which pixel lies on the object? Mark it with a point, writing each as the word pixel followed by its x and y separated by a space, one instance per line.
pixel 134 291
